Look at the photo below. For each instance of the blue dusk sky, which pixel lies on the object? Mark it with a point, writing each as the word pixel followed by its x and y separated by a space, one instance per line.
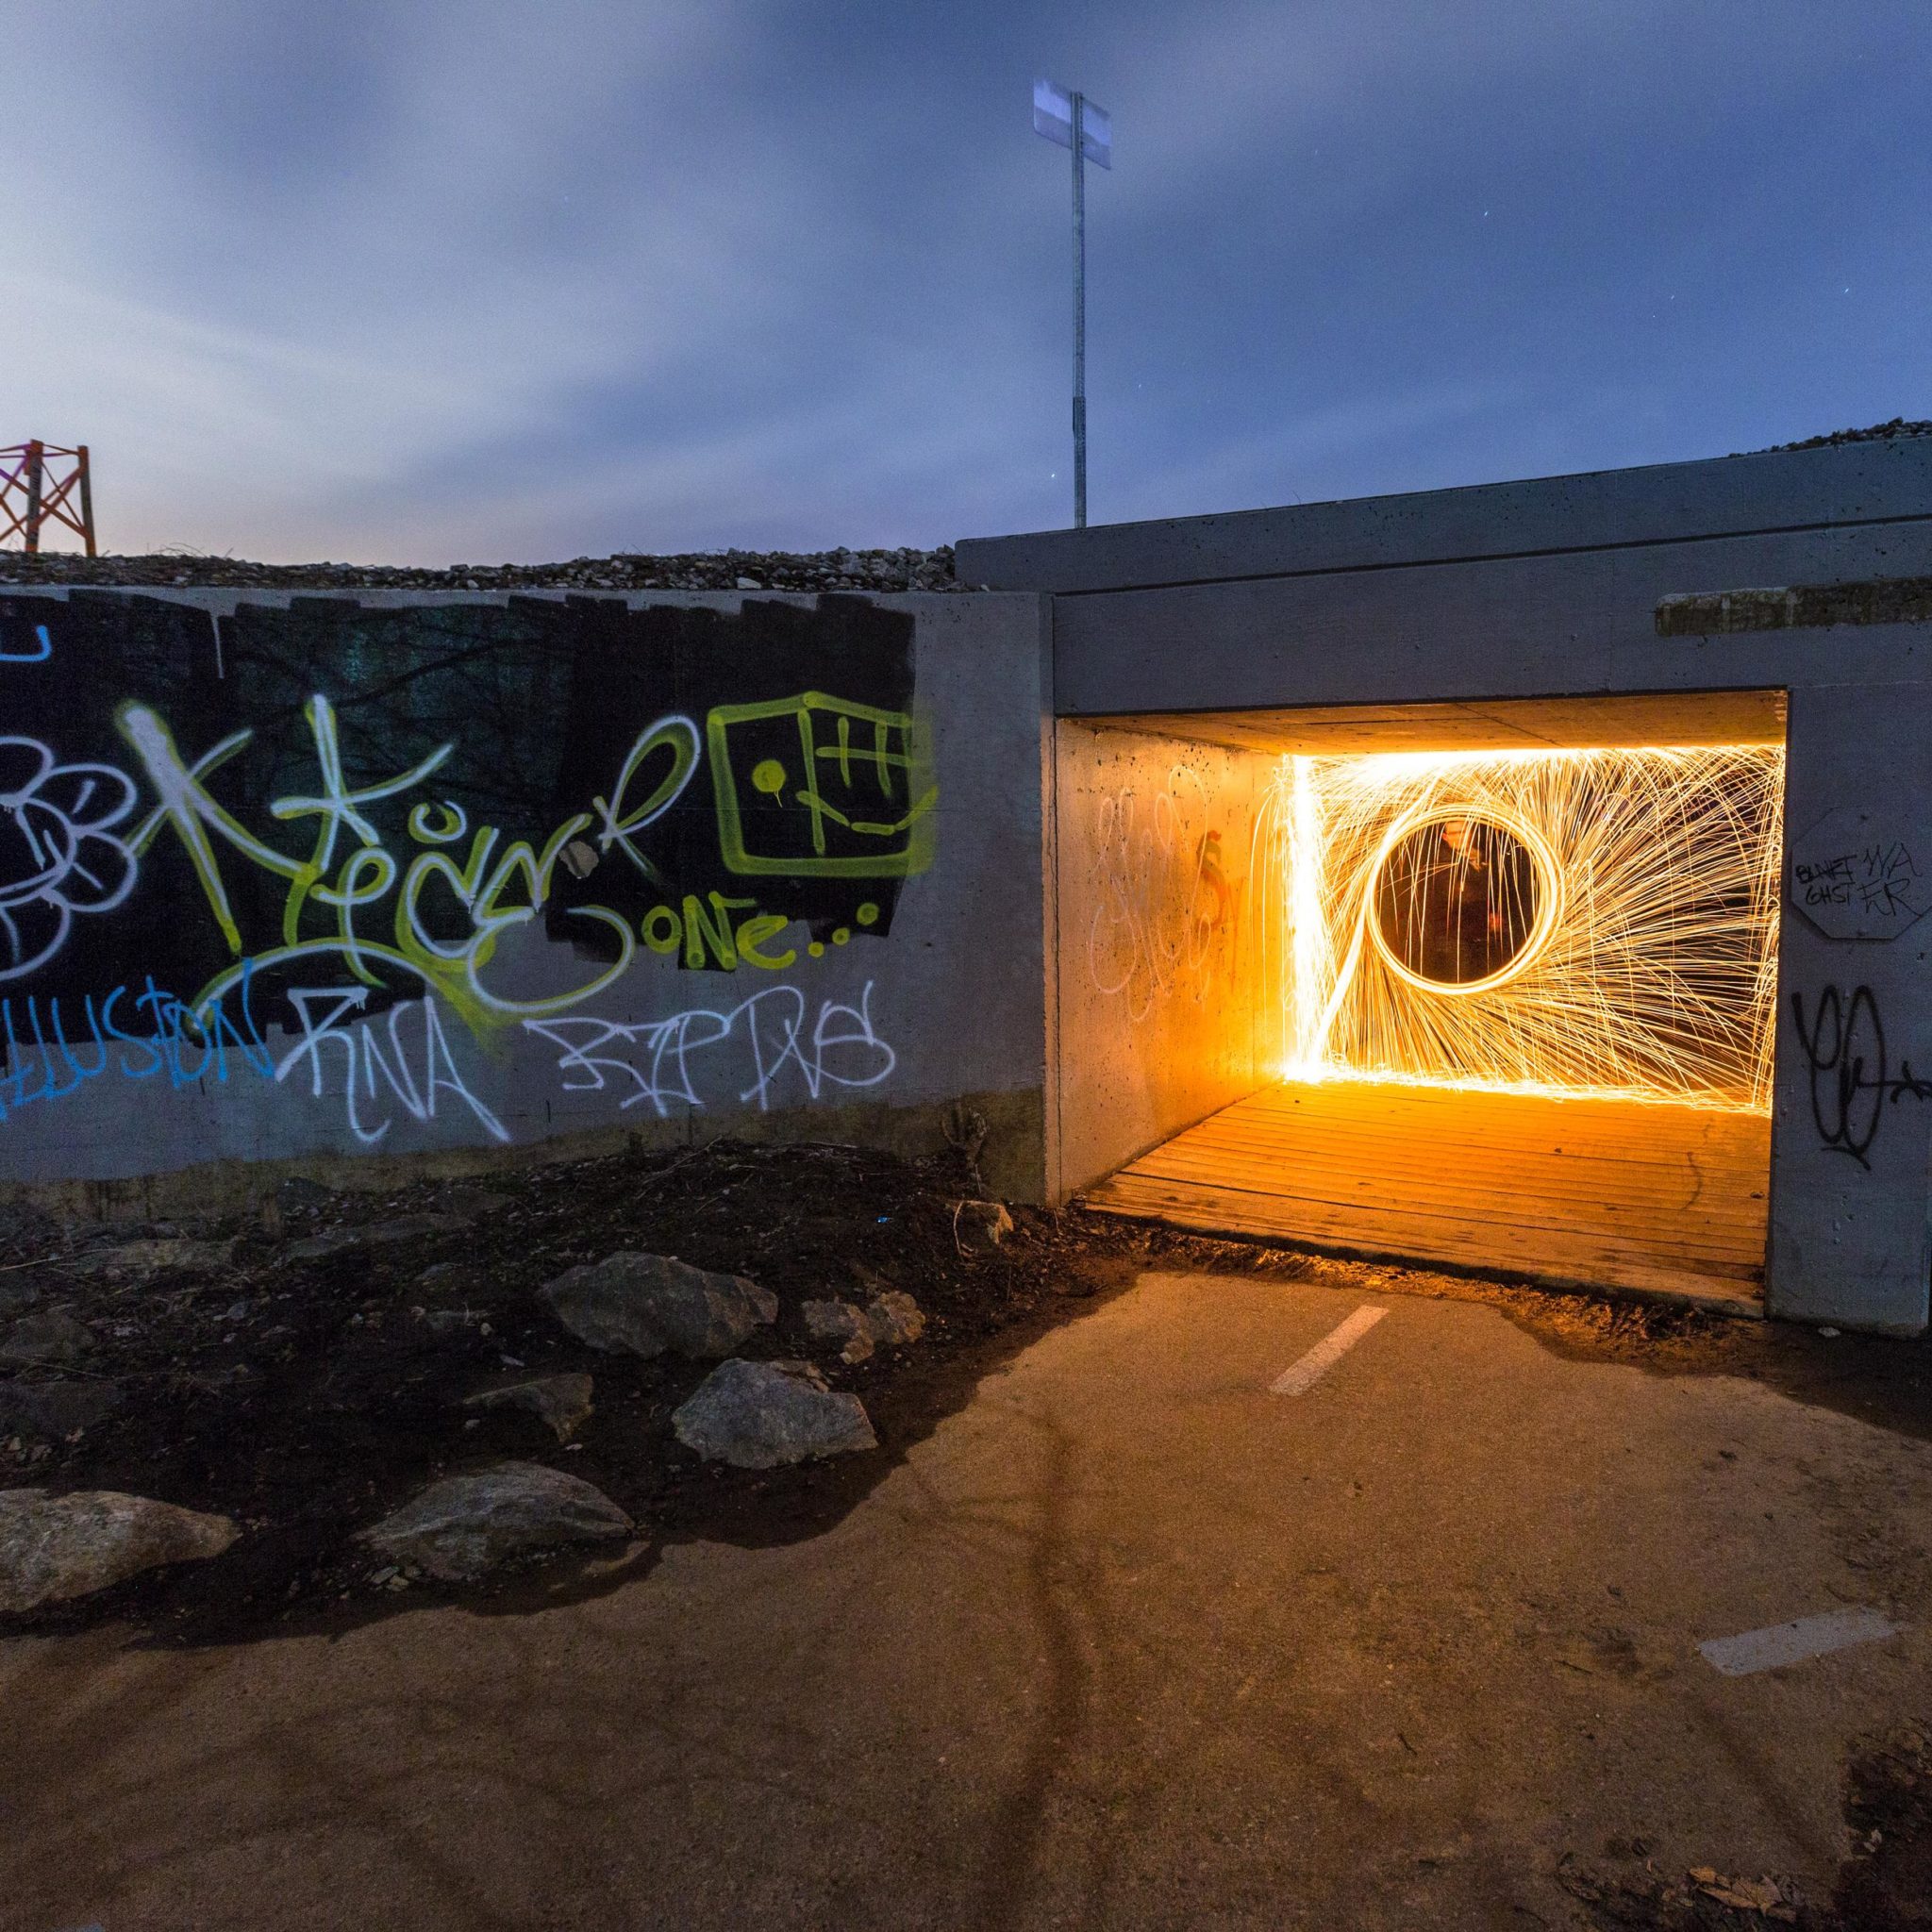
pixel 455 280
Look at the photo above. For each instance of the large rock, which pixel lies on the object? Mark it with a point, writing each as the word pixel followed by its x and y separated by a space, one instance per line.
pixel 57 1547
pixel 463 1526
pixel 760 1414
pixel 561 1402
pixel 645 1304
pixel 51 1336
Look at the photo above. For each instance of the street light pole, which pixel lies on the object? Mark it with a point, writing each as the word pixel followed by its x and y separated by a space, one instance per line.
pixel 1075 122
pixel 1080 102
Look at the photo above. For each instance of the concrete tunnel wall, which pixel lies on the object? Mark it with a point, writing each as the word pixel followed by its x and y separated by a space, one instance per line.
pixel 1168 989
pixel 714 949
pixel 1551 589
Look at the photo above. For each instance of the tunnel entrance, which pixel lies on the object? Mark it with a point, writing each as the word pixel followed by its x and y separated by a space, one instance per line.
pixel 1490 986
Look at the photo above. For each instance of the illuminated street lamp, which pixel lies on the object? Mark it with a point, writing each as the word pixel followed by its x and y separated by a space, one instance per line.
pixel 1075 122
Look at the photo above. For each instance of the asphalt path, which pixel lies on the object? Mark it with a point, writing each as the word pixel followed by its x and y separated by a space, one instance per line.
pixel 1226 1604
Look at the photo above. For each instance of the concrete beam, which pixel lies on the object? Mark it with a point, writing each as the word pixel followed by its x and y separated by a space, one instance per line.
pixel 1786 492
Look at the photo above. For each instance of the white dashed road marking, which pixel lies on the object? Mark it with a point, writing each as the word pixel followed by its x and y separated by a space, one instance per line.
pixel 1790 1644
pixel 1300 1379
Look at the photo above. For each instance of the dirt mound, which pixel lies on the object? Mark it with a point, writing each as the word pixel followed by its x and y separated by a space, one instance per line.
pixel 308 1377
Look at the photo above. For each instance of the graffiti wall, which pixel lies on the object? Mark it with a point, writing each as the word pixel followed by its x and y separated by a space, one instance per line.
pixel 287 876
pixel 1851 1235
pixel 1167 983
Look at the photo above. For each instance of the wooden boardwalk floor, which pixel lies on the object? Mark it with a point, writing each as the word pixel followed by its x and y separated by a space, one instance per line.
pixel 1618 1194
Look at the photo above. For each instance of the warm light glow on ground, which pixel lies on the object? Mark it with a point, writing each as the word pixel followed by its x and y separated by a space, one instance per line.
pixel 1600 922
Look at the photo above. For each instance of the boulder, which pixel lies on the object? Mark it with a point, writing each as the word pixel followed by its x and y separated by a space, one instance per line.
pixel 561 1402
pixel 895 1318
pixel 841 1321
pixel 375 1234
pixel 57 1547
pixel 645 1304
pixel 463 1527
pixel 49 1337
pixel 757 1415
pixel 51 1410
pixel 889 1319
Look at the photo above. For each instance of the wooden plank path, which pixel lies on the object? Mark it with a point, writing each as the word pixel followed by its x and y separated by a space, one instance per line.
pixel 1605 1193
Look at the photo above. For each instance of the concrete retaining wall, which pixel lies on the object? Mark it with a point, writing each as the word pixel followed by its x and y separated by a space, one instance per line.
pixel 296 882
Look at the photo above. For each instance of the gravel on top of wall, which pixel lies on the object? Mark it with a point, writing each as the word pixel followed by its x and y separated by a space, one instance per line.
pixel 1878 432
pixel 875 571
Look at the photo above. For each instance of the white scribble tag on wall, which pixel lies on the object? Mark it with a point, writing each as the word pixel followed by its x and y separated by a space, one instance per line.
pixel 1856 876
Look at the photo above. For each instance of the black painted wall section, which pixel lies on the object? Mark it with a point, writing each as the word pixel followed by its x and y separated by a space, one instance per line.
pixel 180 793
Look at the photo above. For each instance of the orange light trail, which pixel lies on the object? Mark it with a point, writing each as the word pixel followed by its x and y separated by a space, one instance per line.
pixel 1626 946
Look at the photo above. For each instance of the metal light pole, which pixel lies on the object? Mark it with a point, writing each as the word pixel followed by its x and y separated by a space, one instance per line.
pixel 1075 122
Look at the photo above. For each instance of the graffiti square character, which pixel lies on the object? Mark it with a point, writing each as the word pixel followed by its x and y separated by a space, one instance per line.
pixel 818 787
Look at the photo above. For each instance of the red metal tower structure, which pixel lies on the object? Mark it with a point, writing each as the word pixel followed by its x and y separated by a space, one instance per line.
pixel 32 494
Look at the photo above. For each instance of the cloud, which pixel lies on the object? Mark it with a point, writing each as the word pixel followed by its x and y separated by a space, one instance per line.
pixel 417 280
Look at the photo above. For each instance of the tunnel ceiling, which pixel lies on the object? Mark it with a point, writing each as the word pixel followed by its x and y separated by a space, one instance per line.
pixel 1673 718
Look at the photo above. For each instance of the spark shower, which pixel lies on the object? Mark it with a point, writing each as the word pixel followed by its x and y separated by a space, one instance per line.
pixel 1601 921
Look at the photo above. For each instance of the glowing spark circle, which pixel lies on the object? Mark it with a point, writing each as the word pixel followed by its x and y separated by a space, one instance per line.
pixel 1549 894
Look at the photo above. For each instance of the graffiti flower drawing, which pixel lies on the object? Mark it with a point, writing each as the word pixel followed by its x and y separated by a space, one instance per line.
pixel 59 854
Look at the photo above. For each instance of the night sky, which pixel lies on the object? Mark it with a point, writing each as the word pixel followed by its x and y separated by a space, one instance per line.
pixel 429 282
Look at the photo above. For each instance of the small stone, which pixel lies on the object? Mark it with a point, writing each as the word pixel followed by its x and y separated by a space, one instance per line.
pixel 139 1259
pixel 451 1277
pixel 1829 1334
pixel 979 1227
pixel 51 1337
pixel 748 584
pixel 562 1403
pixel 757 1415
pixel 463 1527
pixel 23 1290
pixel 54 1410
pixel 375 1234
pixel 296 1193
pixel 645 1304
pixel 473 1203
pixel 453 1321
pixel 53 1548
